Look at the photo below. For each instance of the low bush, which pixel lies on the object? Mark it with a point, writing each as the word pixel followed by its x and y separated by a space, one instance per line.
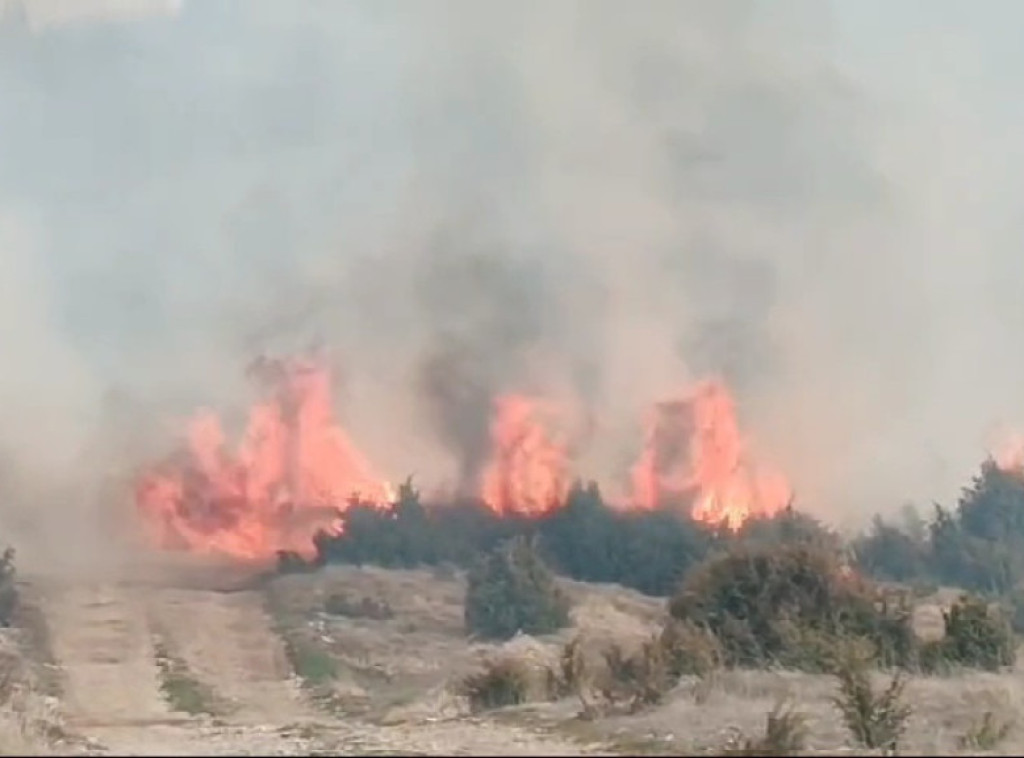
pixel 511 591
pixel 690 650
pixel 502 682
pixel 610 675
pixel 791 605
pixel 976 635
pixel 639 679
pixel 876 720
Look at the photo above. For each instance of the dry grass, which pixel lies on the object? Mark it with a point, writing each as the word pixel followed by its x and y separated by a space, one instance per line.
pixel 409 665
pixel 29 720
pixel 986 733
pixel 785 733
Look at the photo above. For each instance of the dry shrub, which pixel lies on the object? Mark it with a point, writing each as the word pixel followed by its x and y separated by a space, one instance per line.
pixel 519 674
pixel 29 722
pixel 639 679
pixel 501 682
pixel 611 675
pixel 785 733
pixel 986 733
pixel 876 720
pixel 976 635
pixel 691 650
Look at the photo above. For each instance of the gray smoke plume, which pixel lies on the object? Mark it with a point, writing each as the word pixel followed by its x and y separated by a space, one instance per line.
pixel 588 199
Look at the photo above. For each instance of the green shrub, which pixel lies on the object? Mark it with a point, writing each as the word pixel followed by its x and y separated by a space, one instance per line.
pixel 585 539
pixel 790 605
pixel 788 527
pixel 646 550
pixel 891 553
pixel 511 590
pixel 980 545
pixel 976 635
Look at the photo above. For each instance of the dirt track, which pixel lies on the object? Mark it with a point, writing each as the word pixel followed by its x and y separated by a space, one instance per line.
pixel 106 638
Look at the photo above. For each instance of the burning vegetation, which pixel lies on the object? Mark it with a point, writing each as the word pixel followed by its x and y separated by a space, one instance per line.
pixel 292 475
pixel 296 473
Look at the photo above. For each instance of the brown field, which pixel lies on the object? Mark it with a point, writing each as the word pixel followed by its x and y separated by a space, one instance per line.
pixel 196 659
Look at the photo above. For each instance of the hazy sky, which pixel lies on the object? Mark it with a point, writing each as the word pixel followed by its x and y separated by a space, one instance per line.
pixel 820 201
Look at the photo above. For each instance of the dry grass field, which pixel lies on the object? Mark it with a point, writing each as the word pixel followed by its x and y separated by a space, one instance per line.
pixel 363 661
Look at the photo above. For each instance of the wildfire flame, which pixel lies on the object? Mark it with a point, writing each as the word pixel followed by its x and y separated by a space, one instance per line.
pixel 1008 454
pixel 295 468
pixel 696 457
pixel 528 472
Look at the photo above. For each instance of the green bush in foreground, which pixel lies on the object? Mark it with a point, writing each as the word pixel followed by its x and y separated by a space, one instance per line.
pixel 511 590
pixel 791 605
pixel 976 636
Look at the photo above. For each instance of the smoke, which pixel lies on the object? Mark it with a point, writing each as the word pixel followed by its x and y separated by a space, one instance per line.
pixel 594 200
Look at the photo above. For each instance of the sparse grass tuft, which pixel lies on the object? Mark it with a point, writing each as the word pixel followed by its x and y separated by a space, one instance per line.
pixel 182 690
pixel 985 733
pixel 785 733
pixel 311 664
pixel 875 720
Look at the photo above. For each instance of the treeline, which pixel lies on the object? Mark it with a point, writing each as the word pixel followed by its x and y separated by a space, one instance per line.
pixel 977 545
pixel 587 539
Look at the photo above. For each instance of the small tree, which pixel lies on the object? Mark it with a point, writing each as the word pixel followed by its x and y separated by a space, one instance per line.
pixel 511 590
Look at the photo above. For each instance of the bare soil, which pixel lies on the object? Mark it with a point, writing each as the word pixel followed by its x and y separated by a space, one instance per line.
pixel 113 643
pixel 197 658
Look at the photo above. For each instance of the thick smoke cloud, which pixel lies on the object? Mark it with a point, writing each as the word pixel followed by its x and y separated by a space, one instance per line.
pixel 595 200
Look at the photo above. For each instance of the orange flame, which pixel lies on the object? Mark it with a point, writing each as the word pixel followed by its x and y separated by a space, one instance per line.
pixel 528 472
pixel 694 454
pixel 294 470
pixel 1008 452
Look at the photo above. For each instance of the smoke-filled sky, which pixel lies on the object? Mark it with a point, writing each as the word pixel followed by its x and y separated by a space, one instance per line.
pixel 593 199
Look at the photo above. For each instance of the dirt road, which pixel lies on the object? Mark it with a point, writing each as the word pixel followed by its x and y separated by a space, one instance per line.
pixel 112 640
pixel 106 637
